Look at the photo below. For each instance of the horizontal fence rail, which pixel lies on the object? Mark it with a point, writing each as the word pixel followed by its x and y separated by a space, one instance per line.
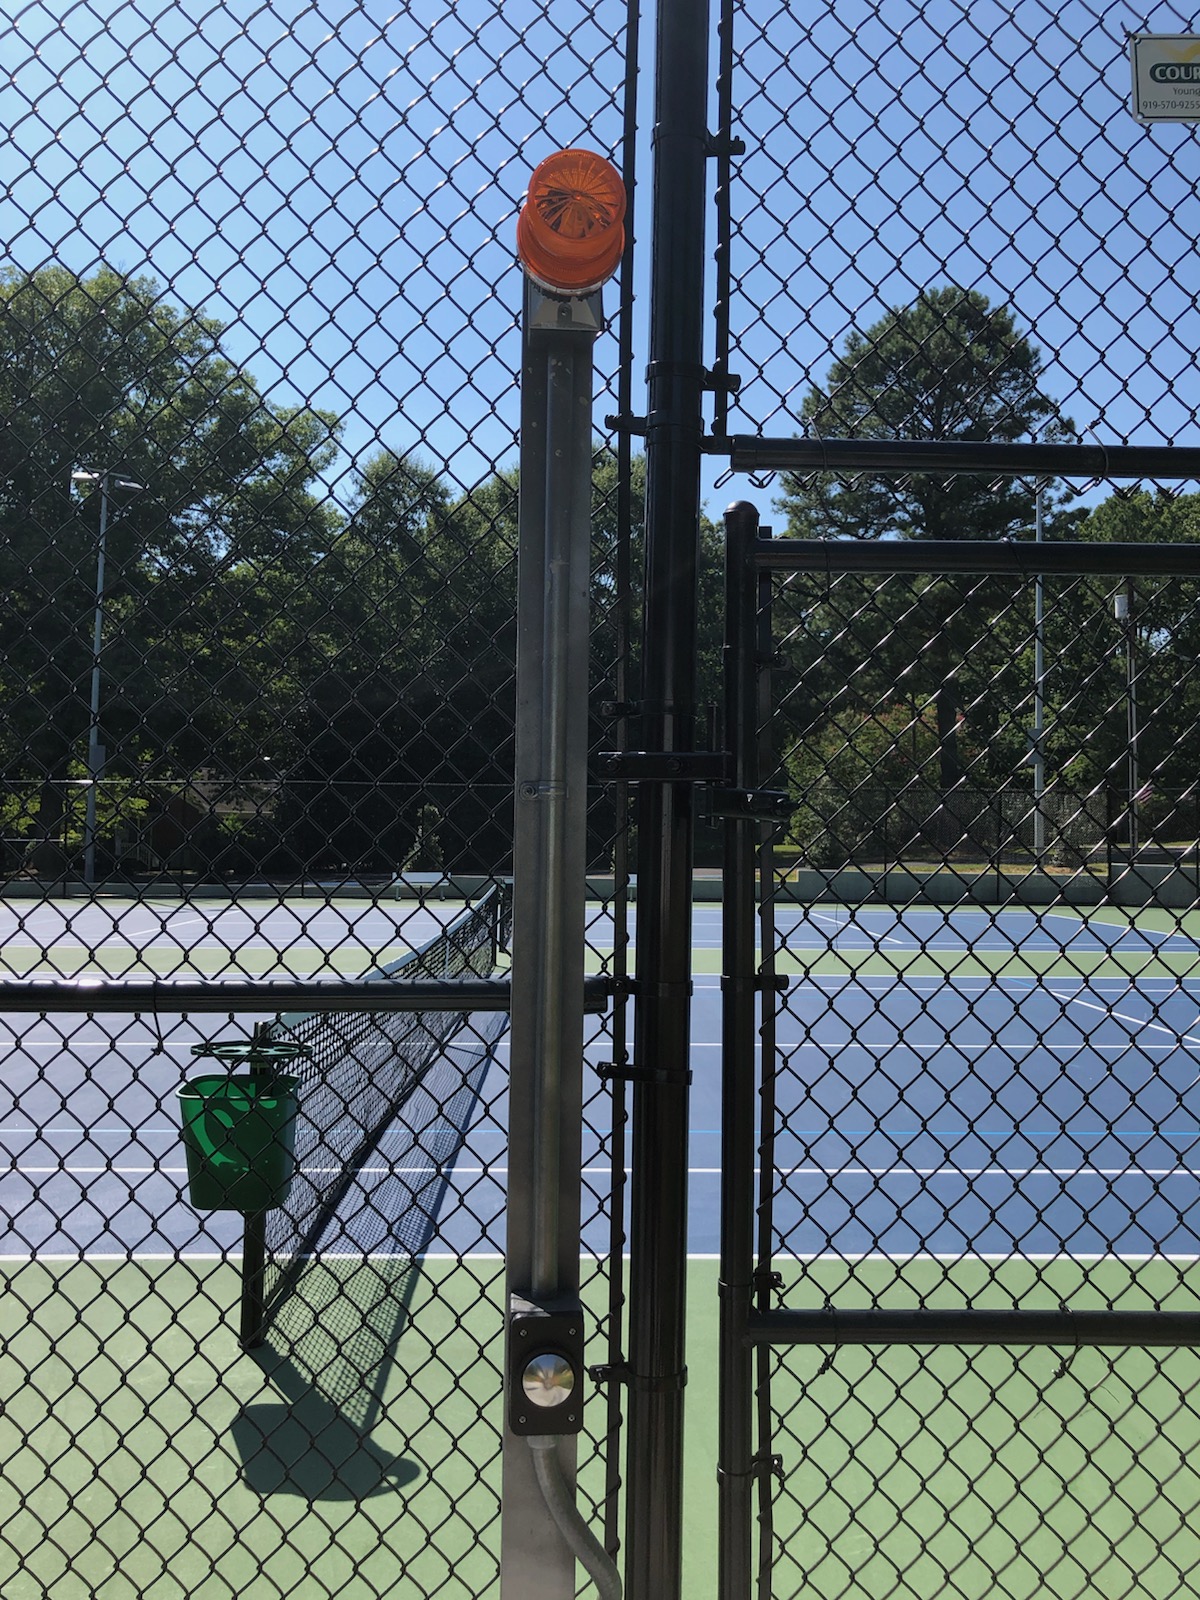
pixel 95 997
pixel 1111 1329
pixel 903 457
pixel 1018 557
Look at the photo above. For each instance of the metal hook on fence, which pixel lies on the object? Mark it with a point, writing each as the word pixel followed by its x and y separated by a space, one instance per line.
pixel 1064 1365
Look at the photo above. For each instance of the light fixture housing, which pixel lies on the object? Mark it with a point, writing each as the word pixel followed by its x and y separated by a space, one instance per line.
pixel 570 233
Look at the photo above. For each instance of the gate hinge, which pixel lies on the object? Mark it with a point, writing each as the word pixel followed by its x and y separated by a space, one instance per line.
pixel 718 381
pixel 759 1467
pixel 724 144
pixel 609 1372
pixel 664 766
pixel 622 422
pixel 766 1280
pixel 620 987
pixel 622 1372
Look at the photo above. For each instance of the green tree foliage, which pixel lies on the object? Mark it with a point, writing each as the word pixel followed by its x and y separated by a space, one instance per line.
pixel 105 373
pixel 866 784
pixel 408 655
pixel 1159 637
pixel 337 671
pixel 403 661
pixel 947 367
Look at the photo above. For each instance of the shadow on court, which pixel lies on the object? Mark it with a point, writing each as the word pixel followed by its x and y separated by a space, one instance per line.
pixel 330 1356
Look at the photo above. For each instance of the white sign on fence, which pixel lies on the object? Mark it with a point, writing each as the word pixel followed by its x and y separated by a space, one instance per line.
pixel 1166 76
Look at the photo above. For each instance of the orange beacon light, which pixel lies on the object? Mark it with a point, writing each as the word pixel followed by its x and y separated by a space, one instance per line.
pixel 570 236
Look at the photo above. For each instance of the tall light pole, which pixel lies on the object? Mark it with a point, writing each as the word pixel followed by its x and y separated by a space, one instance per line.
pixel 1124 611
pixel 95 750
pixel 1039 687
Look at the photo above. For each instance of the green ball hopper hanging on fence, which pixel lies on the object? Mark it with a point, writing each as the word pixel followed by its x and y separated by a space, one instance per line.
pixel 239 1128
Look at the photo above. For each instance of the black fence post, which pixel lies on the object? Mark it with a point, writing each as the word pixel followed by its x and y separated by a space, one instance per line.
pixel 674 438
pixel 739 1006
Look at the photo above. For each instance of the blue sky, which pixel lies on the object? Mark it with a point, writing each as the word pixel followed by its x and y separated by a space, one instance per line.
pixel 341 189
pixel 903 145
pixel 339 183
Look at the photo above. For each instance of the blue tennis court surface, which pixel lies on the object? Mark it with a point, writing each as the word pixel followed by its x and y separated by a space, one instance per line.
pixel 1039 1115
pixel 123 938
pixel 870 928
pixel 950 930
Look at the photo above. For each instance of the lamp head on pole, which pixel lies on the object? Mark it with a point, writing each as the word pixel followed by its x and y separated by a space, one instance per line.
pixel 87 475
pixel 570 233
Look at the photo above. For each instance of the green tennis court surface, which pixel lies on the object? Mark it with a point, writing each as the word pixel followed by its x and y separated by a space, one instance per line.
pixel 132 939
pixel 215 1473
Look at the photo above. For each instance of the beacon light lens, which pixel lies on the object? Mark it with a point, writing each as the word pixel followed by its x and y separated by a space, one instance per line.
pixel 570 234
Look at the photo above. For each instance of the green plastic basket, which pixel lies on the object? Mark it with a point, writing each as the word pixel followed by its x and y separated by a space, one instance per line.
pixel 239 1134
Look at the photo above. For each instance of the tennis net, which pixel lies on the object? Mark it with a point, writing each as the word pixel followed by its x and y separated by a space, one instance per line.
pixel 365 1069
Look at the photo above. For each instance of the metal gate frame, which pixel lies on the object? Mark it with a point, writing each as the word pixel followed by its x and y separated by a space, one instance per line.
pixel 750 1322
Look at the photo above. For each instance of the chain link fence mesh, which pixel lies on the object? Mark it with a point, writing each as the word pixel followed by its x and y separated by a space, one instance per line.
pixel 978 1082
pixel 259 349
pixel 260 338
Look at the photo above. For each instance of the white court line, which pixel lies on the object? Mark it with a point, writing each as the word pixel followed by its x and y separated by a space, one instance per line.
pixel 232 1256
pixel 1138 1022
pixel 949 1042
pixel 978 1172
pixel 840 927
pixel 160 929
pixel 84 1132
pixel 922 982
pixel 70 1046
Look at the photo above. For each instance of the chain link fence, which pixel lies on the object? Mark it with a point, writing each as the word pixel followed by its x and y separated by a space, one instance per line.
pixel 260 334
pixel 979 935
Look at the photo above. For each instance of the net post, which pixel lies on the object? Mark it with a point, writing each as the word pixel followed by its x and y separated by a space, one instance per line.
pixel 254 1259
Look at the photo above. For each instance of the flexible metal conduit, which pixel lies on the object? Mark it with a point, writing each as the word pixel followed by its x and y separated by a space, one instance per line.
pixel 587 1549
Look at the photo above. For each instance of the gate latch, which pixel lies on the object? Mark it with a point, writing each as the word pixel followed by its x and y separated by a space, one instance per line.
pixel 755 805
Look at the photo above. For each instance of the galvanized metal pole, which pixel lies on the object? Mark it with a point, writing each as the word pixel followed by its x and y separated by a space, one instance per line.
pixel 1039 688
pixel 1127 614
pixel 549 859
pixel 95 759
pixel 674 440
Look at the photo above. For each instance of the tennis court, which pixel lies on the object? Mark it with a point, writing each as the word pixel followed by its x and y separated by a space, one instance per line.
pixel 910 1090
pixel 130 937
pixel 949 1138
